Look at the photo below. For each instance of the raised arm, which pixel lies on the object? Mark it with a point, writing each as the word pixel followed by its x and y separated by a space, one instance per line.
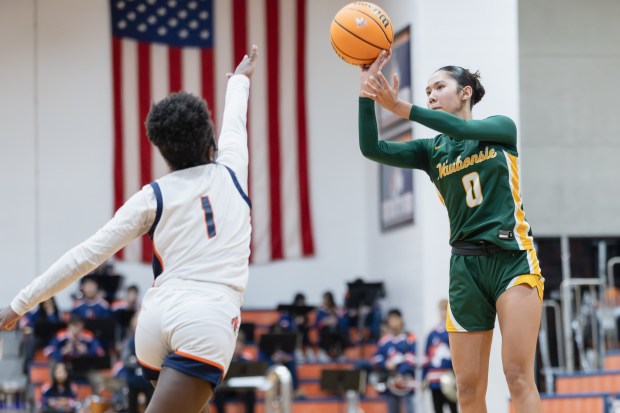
pixel 412 154
pixel 233 141
pixel 130 221
pixel 500 129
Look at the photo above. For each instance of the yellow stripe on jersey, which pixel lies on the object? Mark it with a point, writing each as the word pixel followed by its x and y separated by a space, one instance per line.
pixel 440 197
pixel 521 226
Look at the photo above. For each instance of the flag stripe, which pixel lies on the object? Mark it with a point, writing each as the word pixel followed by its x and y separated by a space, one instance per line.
pixel 273 88
pixel 223 45
pixel 131 141
pixel 160 88
pixel 144 95
pixel 208 90
pixel 174 69
pixel 259 144
pixel 288 130
pixel 240 36
pixel 119 170
pixel 190 71
pixel 304 191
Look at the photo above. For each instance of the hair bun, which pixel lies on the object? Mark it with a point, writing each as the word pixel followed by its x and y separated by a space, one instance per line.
pixel 478 89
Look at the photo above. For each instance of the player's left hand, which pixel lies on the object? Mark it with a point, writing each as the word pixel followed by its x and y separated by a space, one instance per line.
pixel 8 318
pixel 247 65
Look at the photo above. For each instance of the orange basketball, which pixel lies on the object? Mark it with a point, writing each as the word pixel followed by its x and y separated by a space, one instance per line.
pixel 360 31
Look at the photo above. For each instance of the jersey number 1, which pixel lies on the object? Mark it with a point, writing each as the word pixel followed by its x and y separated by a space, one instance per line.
pixel 209 220
pixel 473 190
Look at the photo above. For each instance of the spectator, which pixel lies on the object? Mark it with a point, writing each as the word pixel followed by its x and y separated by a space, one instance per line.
pixel 371 315
pixel 438 361
pixel 131 301
pixel 328 323
pixel 91 305
pixel 125 309
pixel 284 358
pixel 300 324
pixel 46 311
pixel 396 354
pixel 74 342
pixel 248 397
pixel 131 371
pixel 61 395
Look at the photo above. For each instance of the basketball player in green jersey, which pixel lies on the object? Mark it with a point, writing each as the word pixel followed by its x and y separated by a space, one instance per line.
pixel 493 268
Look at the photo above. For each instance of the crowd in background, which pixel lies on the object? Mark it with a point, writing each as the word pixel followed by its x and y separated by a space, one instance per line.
pixel 97 332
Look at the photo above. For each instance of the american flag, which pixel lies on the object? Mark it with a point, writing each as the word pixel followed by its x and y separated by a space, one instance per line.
pixel 163 46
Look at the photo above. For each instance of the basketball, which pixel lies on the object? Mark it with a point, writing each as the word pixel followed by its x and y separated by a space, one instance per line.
pixel 360 31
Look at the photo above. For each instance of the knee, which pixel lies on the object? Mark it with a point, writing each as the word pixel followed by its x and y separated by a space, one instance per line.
pixel 519 379
pixel 469 390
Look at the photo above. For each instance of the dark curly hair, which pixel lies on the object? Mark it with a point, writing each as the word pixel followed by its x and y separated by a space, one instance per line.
pixel 466 78
pixel 180 126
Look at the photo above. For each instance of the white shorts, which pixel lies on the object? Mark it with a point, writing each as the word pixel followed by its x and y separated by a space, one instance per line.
pixel 192 330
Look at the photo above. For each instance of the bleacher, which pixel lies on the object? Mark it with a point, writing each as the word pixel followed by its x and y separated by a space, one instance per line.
pixel 593 386
pixel 314 399
pixel 591 392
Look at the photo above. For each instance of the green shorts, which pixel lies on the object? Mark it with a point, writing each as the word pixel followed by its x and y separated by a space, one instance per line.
pixel 476 282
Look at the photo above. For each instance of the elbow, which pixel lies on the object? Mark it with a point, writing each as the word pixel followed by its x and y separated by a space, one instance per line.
pixel 369 152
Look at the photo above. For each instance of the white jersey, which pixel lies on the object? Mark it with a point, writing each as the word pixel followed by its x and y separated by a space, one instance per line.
pixel 198 217
pixel 204 231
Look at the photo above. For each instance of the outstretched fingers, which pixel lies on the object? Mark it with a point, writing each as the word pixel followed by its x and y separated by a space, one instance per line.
pixel 395 81
pixel 253 53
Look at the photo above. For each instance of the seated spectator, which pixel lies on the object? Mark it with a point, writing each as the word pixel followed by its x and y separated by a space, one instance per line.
pixel 300 324
pixel 132 371
pixel 61 395
pixel 125 308
pixel 284 358
pixel 91 304
pixel 74 342
pixel 371 316
pixel 131 301
pixel 46 311
pixel 332 340
pixel 396 354
pixel 438 361
pixel 248 397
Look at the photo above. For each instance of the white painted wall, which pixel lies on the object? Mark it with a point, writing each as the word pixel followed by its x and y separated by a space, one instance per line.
pixel 18 244
pixel 571 130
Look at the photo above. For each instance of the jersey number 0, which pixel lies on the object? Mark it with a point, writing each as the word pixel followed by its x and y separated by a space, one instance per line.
pixel 473 190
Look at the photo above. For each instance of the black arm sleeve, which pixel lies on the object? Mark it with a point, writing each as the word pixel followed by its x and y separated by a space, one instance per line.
pixel 412 154
pixel 500 129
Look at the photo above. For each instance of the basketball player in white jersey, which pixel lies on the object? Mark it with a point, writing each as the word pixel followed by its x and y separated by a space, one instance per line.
pixel 198 217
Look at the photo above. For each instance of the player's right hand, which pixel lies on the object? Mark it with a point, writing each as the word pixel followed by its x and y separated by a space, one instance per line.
pixel 372 70
pixel 8 318
pixel 247 64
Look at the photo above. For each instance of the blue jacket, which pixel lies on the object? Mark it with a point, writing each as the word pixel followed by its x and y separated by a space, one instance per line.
pixel 397 350
pixel 89 309
pixel 54 350
pixel 437 356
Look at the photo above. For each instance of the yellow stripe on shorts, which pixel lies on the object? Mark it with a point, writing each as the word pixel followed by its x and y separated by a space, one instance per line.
pixel 533 280
pixel 452 326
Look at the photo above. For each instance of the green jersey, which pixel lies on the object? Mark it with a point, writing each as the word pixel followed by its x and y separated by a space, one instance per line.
pixel 474 166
